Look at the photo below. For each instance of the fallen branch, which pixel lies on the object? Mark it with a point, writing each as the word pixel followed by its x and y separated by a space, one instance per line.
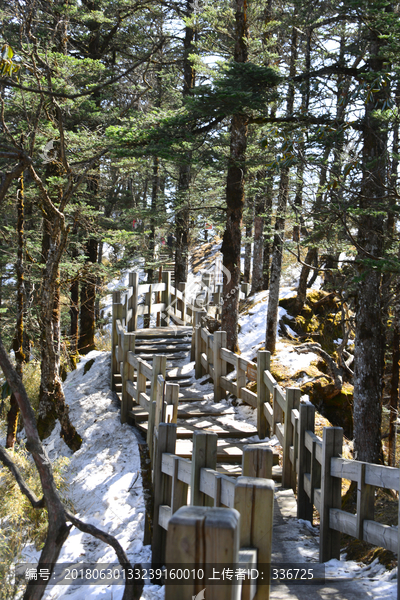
pixel 334 370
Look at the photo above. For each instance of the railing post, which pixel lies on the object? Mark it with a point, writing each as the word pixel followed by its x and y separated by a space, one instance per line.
pixel 182 303
pixel 289 472
pixel 127 374
pixel 331 487
pixel 200 538
pixel 245 288
pixel 306 423
pixel 263 364
pixel 257 461
pixel 172 399
pixel 217 298
pixel 365 501
pixel 159 368
pixel 166 298
pixel 160 393
pixel 165 442
pixel 204 455
pixel 197 335
pixel 116 314
pixel 219 365
pixel 179 494
pixel 254 499
pixel 132 302
pixel 240 378
pixel 206 280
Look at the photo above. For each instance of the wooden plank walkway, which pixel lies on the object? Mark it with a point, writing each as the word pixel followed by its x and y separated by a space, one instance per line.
pixel 195 412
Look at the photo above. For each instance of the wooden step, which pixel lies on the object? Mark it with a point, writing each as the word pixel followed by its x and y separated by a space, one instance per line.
pixel 145 342
pixel 161 349
pixel 164 332
pixel 139 414
pixel 179 355
pixel 185 431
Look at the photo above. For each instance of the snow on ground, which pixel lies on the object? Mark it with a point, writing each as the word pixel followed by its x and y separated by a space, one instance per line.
pixel 104 480
pixel 252 334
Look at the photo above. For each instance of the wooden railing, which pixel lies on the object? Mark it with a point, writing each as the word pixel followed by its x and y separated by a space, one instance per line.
pixel 251 495
pixel 137 375
pixel 173 304
pixel 312 466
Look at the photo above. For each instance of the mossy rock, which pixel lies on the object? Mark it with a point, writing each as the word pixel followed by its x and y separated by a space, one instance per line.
pixel 88 365
pixel 358 550
pixel 321 321
pixel 337 408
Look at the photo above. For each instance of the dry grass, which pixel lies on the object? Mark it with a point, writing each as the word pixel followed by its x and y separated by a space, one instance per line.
pixel 20 523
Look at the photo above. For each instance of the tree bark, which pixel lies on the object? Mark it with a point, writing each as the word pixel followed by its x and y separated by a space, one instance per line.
pixel 87 325
pixel 231 244
pixel 277 249
pixel 369 338
pixel 258 248
pixel 247 251
pixel 182 218
pixel 394 380
pixel 269 195
pixel 52 400
pixel 12 416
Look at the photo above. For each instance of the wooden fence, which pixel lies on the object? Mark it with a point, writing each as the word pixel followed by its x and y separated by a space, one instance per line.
pixel 137 375
pixel 312 466
pixel 251 495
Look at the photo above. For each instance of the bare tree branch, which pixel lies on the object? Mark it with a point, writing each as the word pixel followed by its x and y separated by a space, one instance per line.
pixel 12 467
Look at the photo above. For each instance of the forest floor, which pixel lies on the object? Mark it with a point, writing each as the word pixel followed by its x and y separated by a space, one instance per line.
pixel 105 484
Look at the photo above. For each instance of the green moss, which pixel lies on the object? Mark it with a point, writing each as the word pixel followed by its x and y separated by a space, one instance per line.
pixel 88 365
pixel 337 408
pixel 322 322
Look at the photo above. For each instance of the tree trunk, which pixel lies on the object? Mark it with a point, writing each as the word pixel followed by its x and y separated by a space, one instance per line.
pixel 182 219
pixel 312 251
pixel 74 304
pixel 231 244
pixel 12 416
pixel 247 251
pixel 52 404
pixel 277 249
pixel 276 263
pixel 269 195
pixel 87 325
pixel 369 338
pixel 152 236
pixel 394 382
pixel 182 223
pixel 258 248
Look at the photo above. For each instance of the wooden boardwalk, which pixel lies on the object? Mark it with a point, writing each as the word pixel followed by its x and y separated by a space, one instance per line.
pixel 195 412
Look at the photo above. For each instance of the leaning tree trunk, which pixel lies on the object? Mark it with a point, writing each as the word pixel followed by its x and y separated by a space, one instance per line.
pixel 12 416
pixel 231 244
pixel 369 338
